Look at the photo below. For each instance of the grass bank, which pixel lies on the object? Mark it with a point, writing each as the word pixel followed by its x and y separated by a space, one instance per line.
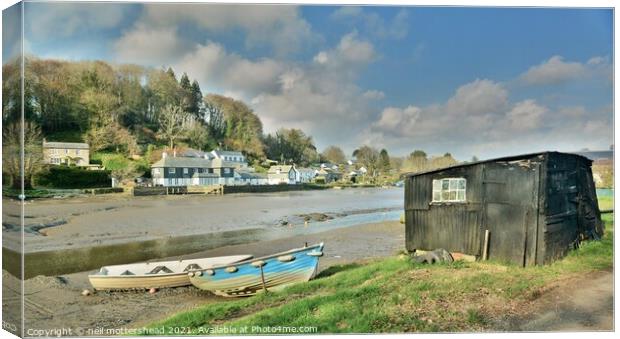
pixel 396 295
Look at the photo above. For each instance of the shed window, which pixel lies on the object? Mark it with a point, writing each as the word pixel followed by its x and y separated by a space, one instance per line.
pixel 449 190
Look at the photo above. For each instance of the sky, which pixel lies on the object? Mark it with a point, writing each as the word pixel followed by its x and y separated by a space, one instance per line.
pixel 471 81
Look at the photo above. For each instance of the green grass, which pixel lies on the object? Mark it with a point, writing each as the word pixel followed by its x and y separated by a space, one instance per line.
pixel 111 161
pixel 605 203
pixel 397 295
pixel 117 161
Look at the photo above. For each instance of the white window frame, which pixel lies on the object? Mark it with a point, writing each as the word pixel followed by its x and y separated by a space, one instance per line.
pixel 185 170
pixel 226 170
pixel 156 171
pixel 172 170
pixel 449 190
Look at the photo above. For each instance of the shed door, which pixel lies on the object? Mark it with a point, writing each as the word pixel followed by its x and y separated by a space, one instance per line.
pixel 511 211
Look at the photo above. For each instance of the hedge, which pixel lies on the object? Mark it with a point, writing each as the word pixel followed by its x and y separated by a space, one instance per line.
pixel 72 177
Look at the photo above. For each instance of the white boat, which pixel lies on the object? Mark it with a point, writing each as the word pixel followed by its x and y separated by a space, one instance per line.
pixel 155 274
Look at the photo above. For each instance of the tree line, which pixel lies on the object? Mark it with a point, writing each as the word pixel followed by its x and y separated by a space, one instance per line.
pixel 131 109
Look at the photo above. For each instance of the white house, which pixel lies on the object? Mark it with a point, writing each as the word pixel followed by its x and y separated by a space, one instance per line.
pixel 233 157
pixel 304 175
pixel 282 174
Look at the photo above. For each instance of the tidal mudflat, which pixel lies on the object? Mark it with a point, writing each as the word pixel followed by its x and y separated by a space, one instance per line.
pixel 54 224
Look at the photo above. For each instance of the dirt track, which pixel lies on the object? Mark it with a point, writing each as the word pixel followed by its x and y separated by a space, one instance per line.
pixel 585 303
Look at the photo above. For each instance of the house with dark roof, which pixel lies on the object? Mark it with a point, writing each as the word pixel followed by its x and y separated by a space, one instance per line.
pixel 246 177
pixel 190 171
pixel 233 157
pixel 304 175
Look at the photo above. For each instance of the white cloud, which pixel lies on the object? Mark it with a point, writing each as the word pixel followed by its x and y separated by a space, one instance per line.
pixel 281 26
pixel 478 97
pixel 217 69
pixel 350 54
pixel 149 46
pixel 346 12
pixel 571 112
pixel 526 115
pixel 479 120
pixel 554 70
pixel 351 49
pixel 472 112
pixel 374 95
pixel 321 58
pixel 373 24
pixel 402 119
pixel 317 97
pixel 64 19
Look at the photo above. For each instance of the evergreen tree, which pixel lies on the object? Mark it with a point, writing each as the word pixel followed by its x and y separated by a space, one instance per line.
pixel 385 160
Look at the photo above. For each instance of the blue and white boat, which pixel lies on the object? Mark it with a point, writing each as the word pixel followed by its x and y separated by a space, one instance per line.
pixel 262 274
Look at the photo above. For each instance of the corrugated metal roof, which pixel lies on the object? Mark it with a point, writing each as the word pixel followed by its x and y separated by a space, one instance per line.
pixel 71 145
pixel 507 158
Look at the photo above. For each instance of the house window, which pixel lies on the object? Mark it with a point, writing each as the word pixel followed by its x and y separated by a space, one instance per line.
pixel 172 170
pixel 449 190
pixel 156 171
pixel 226 170
pixel 185 170
pixel 200 170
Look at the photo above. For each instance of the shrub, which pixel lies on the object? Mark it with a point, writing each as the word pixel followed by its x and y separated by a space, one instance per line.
pixel 72 177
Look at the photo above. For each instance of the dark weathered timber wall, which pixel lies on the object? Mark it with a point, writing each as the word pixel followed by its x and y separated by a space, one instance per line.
pixel 453 226
pixel 571 204
pixel 535 208
pixel 510 200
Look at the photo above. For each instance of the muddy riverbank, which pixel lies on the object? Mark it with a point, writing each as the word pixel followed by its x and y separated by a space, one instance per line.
pixel 57 224
pixel 56 302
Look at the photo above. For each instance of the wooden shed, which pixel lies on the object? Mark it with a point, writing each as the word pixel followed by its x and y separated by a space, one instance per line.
pixel 534 207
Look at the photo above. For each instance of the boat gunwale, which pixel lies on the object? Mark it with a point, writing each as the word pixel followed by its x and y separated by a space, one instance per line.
pixel 249 261
pixel 146 275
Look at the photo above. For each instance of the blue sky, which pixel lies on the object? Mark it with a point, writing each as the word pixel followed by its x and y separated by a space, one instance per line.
pixel 470 81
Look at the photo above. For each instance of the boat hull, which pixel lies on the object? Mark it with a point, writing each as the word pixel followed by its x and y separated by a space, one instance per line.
pixel 111 277
pixel 138 282
pixel 246 279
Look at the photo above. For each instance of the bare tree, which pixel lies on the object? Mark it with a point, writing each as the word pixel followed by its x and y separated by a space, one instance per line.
pixel 333 154
pixel 12 154
pixel 172 120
